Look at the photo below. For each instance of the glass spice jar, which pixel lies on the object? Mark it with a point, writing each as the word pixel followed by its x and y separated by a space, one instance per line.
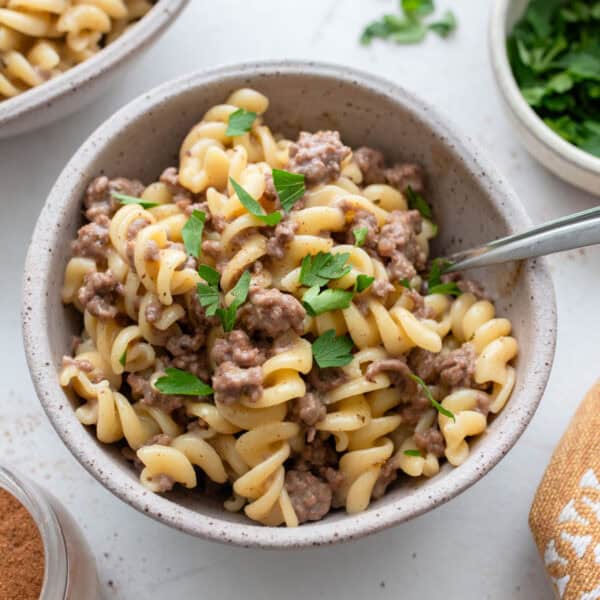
pixel 69 566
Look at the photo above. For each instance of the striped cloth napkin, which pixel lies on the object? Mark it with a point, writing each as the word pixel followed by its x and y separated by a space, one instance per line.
pixel 565 516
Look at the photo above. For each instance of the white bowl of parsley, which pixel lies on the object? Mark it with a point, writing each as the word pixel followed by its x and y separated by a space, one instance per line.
pixel 546 59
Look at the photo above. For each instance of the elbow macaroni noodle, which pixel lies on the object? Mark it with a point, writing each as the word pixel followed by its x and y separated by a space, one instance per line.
pixel 40 39
pixel 251 443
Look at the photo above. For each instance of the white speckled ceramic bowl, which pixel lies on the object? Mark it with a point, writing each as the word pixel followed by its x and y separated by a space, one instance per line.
pixel 472 204
pixel 80 85
pixel 559 156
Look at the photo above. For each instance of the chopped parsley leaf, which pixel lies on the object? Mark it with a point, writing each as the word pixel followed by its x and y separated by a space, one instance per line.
pixel 125 199
pixel 360 236
pixel 417 202
pixel 253 207
pixel 363 282
pixel 182 383
pixel 318 302
pixel 290 187
pixel 322 267
pixel 240 122
pixel 192 233
pixel 330 350
pixel 434 402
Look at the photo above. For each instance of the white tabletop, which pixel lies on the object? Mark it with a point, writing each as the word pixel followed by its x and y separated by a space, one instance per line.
pixel 477 546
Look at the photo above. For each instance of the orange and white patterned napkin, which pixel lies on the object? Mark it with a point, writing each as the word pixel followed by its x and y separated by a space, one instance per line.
pixel 565 516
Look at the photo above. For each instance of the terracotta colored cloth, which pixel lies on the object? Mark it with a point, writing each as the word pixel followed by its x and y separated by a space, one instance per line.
pixel 565 516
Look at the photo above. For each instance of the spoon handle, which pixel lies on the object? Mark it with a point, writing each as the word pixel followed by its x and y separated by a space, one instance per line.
pixel 567 233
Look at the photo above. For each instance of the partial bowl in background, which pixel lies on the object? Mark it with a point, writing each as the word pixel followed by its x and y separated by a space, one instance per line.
pixel 472 203
pixel 77 87
pixel 559 156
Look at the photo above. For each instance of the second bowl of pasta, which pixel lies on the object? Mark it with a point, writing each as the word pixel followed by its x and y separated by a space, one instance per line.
pixel 253 340
pixel 57 56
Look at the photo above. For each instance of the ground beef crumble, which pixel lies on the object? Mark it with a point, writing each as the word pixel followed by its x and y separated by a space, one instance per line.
pixel 281 236
pixel 99 294
pixel 310 496
pixel 270 313
pixel 99 201
pixel 458 367
pixel 92 240
pixel 398 243
pixel 230 382
pixel 318 156
pixel 430 441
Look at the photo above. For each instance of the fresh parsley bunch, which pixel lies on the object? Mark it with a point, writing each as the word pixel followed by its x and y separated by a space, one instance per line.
pixel 554 52
pixel 409 27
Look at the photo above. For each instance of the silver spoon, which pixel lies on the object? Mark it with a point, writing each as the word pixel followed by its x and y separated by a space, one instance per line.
pixel 567 233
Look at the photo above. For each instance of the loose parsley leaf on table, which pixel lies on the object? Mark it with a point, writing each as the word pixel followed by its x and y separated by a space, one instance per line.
pixel 192 233
pixel 360 236
pixel 182 383
pixel 330 350
pixel 240 122
pixel 290 187
pixel 317 302
pixel 445 26
pixel 554 52
pixel 253 207
pixel 409 26
pixel 429 395
pixel 320 268
pixel 125 199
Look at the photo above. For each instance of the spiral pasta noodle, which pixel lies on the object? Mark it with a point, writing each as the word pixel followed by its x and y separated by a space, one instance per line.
pixel 263 318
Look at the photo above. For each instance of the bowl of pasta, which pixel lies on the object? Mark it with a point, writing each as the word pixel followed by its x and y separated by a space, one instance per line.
pixel 57 56
pixel 243 331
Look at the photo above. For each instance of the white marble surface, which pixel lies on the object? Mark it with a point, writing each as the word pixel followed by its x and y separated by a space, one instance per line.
pixel 477 546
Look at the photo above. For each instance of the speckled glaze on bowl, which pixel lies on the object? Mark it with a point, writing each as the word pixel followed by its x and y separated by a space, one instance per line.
pixel 80 85
pixel 472 203
pixel 565 160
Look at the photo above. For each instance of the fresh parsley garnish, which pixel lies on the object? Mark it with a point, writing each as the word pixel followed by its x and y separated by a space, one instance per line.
pixel 317 302
pixel 208 293
pixel 435 285
pixel 445 26
pixel 555 58
pixel 360 236
pixel 182 383
pixel 123 358
pixel 330 350
pixel 417 202
pixel 240 122
pixel 429 395
pixel 363 282
pixel 125 199
pixel 405 283
pixel 253 207
pixel 210 298
pixel 290 187
pixel 320 268
pixel 413 453
pixel 417 8
pixel 449 289
pixel 239 293
pixel 192 233
pixel 409 27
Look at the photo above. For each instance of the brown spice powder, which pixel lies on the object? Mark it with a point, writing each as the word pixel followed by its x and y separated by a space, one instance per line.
pixel 21 552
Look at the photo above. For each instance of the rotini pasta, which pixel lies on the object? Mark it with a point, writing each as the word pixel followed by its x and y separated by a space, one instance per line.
pixel 40 39
pixel 264 317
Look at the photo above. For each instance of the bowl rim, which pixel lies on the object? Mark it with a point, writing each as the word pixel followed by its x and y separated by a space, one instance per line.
pixel 85 73
pixel 94 458
pixel 521 110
